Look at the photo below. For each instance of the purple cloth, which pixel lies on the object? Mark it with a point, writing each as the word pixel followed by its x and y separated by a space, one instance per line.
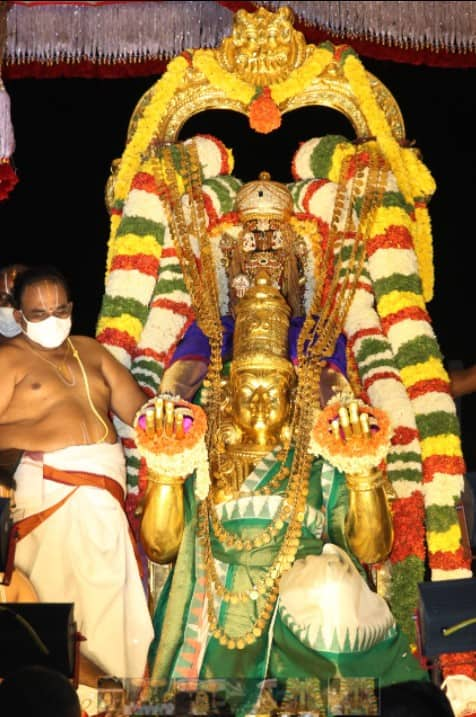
pixel 195 345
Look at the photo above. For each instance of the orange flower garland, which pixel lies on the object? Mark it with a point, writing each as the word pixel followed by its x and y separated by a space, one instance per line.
pixel 172 457
pixel 356 453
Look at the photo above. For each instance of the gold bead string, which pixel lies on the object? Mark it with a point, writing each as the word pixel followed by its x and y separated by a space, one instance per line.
pixel 209 306
pixel 324 327
pixel 341 291
pixel 231 541
pixel 180 163
pixel 272 485
pixel 267 587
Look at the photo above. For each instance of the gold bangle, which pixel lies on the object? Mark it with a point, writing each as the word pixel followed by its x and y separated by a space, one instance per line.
pixel 364 481
pixel 158 479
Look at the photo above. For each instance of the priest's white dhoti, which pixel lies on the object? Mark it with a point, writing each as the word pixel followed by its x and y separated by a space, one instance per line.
pixel 81 551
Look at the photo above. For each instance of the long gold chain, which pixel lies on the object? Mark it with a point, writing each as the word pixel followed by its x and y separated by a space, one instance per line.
pixel 88 392
pixel 267 587
pixel 178 168
pixel 60 369
pixel 293 511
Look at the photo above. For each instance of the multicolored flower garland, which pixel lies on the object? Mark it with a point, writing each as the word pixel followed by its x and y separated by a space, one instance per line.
pixel 146 307
pixel 384 344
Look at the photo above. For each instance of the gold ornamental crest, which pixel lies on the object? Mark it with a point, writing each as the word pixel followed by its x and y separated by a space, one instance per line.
pixel 264 47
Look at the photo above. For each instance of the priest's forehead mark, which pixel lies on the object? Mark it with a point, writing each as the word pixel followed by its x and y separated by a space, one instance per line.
pixel 40 289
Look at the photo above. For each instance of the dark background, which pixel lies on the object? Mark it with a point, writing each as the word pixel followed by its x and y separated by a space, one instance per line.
pixel 68 131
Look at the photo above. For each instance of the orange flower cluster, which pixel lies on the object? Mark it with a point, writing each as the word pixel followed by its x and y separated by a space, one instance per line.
pixel 408 524
pixel 458 663
pixel 356 445
pixel 264 114
pixel 169 445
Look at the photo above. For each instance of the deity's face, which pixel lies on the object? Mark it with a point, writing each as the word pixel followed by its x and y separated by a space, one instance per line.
pixel 262 235
pixel 260 399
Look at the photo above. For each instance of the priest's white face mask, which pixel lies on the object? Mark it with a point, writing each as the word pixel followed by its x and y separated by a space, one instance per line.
pixel 8 326
pixel 49 333
pixel 45 314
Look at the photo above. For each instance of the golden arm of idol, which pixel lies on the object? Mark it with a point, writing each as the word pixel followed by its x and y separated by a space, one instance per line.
pixel 162 520
pixel 368 526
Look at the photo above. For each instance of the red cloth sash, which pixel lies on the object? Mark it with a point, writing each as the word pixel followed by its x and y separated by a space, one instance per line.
pixel 77 479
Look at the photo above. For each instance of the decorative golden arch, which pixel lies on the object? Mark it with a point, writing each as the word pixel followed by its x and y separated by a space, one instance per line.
pixel 234 57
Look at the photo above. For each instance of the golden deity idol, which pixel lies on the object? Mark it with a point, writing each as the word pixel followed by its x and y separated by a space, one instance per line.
pixel 257 400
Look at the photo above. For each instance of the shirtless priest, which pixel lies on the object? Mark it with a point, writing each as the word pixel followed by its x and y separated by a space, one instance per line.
pixel 56 396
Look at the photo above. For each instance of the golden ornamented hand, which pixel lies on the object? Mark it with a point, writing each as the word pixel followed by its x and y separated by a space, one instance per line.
pixel 351 435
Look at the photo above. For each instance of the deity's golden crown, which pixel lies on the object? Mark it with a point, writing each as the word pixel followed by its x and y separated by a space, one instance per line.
pixel 264 199
pixel 262 326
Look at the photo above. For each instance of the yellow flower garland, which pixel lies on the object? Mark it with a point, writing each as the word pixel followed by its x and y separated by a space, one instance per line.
pixel 422 240
pixel 450 540
pixel 165 89
pixel 358 80
pixel 126 323
pixel 232 86
pixel 341 153
pixel 244 92
pixel 302 76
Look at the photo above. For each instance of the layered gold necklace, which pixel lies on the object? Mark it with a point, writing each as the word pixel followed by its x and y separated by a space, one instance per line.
pixel 266 588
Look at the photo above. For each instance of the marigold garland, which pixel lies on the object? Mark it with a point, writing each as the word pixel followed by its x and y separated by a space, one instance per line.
pixel 172 457
pixel 165 88
pixel 359 82
pixel 419 361
pixel 231 85
pixel 408 521
pixel 424 249
pixel 357 453
pixel 458 663
pixel 244 92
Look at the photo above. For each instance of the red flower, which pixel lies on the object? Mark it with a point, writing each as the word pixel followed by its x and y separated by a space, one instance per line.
pixel 8 179
pixel 458 663
pixel 402 435
pixel 409 528
pixel 445 560
pixel 264 114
